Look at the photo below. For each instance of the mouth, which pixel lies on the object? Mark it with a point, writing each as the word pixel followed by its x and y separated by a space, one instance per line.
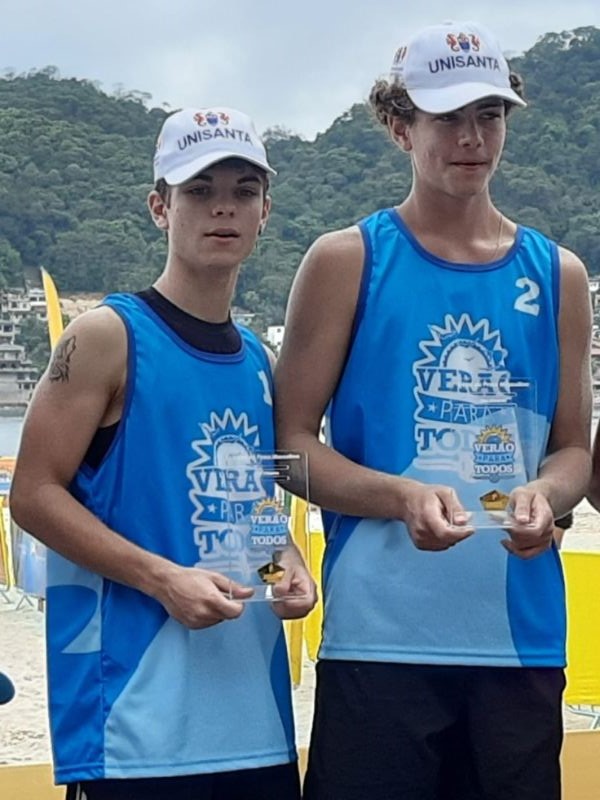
pixel 469 164
pixel 223 233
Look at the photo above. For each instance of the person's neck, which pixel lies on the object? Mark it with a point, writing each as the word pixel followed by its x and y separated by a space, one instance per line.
pixel 456 216
pixel 465 230
pixel 206 294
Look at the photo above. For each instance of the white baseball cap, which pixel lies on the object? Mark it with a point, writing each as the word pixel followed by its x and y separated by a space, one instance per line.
pixel 193 139
pixel 444 67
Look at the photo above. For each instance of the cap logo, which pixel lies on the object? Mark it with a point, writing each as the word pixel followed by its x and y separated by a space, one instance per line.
pixel 464 42
pixel 213 125
pixel 211 118
pixel 467 47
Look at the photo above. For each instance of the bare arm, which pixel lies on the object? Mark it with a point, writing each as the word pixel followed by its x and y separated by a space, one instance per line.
pixel 565 472
pixel 82 390
pixel 317 335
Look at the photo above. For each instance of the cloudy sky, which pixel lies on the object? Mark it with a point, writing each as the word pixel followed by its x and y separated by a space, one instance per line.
pixel 298 65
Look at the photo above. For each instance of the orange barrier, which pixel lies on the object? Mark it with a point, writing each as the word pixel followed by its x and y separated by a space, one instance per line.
pixel 29 782
pixel 580 767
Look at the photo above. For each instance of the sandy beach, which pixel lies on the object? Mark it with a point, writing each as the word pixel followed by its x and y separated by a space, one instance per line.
pixel 23 725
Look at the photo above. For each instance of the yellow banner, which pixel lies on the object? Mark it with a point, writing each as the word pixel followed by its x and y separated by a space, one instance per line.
pixel 7 575
pixel 582 578
pixel 55 322
pixel 304 635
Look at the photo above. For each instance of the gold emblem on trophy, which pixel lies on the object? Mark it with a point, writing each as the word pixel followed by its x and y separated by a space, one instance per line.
pixel 494 500
pixel 272 572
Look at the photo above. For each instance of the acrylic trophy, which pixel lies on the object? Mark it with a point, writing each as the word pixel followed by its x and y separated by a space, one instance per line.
pixel 260 507
pixel 501 452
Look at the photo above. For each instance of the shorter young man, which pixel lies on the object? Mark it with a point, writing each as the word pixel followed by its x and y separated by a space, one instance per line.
pixel 163 684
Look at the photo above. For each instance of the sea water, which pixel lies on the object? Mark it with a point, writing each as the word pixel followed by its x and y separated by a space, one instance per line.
pixel 10 432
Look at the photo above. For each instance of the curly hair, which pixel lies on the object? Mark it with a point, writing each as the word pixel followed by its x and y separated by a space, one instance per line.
pixel 162 188
pixel 389 100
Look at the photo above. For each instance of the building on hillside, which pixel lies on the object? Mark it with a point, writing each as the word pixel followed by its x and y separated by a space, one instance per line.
pixel 18 376
pixel 275 336
pixel 243 317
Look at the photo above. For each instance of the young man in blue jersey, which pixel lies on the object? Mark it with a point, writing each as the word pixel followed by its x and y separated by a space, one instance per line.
pixel 162 683
pixel 441 666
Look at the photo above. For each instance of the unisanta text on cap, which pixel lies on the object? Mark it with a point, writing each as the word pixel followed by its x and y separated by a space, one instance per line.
pixel 444 67
pixel 193 139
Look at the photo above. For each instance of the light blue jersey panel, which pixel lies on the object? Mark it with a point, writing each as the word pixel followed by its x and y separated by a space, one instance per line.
pixel 132 692
pixel 428 391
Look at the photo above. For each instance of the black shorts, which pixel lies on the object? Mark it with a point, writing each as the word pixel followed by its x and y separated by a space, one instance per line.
pixel 415 732
pixel 265 783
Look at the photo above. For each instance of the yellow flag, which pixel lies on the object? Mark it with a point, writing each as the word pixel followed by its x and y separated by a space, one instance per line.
pixel 7 576
pixel 55 323
pixel 313 623
pixel 304 635
pixel 295 628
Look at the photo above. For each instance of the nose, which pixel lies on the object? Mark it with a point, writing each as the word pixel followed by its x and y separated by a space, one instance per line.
pixel 223 208
pixel 470 134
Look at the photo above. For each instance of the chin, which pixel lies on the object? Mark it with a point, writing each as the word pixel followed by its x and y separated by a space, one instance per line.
pixel 471 190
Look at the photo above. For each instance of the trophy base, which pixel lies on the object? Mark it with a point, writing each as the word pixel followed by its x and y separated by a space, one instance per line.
pixel 482 520
pixel 264 594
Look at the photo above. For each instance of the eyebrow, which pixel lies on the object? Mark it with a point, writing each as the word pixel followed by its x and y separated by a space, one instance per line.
pixel 243 179
pixel 491 103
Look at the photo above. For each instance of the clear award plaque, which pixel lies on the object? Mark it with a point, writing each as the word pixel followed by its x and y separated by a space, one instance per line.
pixel 259 506
pixel 500 454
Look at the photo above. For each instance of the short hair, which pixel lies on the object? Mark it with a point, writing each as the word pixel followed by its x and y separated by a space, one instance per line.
pixel 391 100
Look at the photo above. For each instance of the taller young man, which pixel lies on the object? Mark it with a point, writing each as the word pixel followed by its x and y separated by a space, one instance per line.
pixel 440 672
pixel 160 685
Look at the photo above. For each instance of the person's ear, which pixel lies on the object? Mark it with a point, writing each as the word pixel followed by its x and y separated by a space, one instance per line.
pixel 158 210
pixel 265 215
pixel 400 132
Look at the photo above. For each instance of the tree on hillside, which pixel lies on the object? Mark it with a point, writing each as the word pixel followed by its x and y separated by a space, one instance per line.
pixel 75 169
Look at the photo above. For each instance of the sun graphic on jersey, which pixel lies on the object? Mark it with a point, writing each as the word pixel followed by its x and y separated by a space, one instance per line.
pixel 225 466
pixel 494 434
pixel 463 344
pixel 225 439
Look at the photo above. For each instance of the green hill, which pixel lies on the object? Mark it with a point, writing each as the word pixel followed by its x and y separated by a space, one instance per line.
pixel 75 168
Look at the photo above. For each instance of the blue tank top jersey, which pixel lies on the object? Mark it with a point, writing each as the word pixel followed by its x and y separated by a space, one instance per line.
pixel 133 693
pixel 430 392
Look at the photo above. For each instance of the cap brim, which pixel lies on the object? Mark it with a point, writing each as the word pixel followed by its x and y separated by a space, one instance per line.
pixel 450 98
pixel 185 173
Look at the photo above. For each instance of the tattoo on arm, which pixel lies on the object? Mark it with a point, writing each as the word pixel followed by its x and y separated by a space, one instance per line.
pixel 59 367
